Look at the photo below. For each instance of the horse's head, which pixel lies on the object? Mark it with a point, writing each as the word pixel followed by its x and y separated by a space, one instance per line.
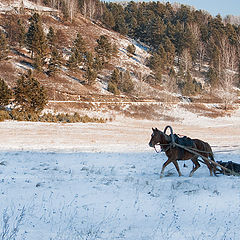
pixel 157 137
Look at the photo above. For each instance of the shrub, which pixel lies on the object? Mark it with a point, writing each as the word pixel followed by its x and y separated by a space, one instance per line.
pixel 48 117
pixel 112 87
pixel 131 49
pixel 126 85
pixel 4 115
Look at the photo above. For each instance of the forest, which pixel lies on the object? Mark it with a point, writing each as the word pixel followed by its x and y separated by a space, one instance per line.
pixel 178 35
pixel 185 44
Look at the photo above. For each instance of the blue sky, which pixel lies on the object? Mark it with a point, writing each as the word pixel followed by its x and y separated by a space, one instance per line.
pixel 224 7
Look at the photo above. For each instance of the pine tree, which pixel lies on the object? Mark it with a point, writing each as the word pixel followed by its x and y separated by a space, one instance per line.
pixel 103 49
pixel 170 51
pixel 51 37
pixel 55 61
pixel 38 63
pixel 91 76
pixel 5 94
pixel 21 35
pixel 98 64
pixel 30 96
pixel 89 59
pixel 72 62
pixel 78 52
pixel 114 82
pixel 3 46
pixel 108 18
pixel 120 25
pixel 79 44
pixel 189 86
pixel 115 77
pixel 35 38
pixel 156 31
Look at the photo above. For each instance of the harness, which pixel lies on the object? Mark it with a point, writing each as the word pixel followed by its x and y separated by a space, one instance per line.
pixel 184 141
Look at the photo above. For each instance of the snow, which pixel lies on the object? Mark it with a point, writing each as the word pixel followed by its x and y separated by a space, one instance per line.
pixel 104 195
pixel 16 4
pixel 101 181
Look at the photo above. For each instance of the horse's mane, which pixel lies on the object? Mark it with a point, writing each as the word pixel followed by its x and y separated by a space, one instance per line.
pixel 167 137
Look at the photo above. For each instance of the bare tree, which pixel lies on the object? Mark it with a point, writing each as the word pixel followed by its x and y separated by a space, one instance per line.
pixel 201 51
pixel 186 60
pixel 72 6
pixel 228 55
pixel 84 9
pixel 196 34
pixel 195 31
pixel 171 86
pixel 228 72
pixel 91 8
pixel 225 91
pixel 232 19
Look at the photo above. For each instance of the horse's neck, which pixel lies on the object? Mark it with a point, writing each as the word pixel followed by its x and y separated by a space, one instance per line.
pixel 165 139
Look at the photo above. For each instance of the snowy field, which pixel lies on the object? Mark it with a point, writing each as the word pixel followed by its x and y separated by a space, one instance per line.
pixel 101 181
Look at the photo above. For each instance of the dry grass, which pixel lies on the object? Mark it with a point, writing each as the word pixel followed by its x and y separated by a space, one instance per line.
pixel 206 111
pixel 70 107
pixel 148 111
pixel 48 117
pixel 8 73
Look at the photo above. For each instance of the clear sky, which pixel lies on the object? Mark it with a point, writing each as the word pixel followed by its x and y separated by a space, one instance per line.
pixel 224 7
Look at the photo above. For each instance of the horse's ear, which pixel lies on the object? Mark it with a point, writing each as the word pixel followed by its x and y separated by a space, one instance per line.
pixel 156 129
pixel 153 129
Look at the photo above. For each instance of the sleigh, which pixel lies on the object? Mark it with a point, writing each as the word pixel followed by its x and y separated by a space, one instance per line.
pixel 185 143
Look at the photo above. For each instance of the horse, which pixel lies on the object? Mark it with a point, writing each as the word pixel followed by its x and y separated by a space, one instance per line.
pixel 173 153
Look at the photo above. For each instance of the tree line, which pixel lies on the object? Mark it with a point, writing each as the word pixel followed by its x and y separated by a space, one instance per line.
pixel 178 35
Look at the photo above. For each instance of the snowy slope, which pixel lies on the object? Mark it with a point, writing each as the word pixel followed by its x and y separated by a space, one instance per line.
pixel 11 6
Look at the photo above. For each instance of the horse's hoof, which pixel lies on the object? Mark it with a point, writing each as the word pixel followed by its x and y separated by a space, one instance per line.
pixel 161 176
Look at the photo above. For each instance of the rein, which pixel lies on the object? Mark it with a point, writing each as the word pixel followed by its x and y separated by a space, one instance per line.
pixel 165 150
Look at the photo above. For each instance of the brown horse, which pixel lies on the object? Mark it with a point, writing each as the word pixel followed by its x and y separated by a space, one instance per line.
pixel 173 153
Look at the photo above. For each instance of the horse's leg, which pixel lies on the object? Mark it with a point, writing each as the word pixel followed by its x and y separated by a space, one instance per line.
pixel 209 166
pixel 210 155
pixel 164 165
pixel 197 165
pixel 177 167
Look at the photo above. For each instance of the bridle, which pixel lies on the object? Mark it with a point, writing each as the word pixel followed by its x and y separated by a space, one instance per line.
pixel 162 145
pixel 170 145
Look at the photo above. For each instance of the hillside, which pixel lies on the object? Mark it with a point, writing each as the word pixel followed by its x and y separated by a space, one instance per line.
pixel 68 90
pixel 81 167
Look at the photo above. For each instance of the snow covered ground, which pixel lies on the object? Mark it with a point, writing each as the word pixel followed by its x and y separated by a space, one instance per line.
pixel 101 181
